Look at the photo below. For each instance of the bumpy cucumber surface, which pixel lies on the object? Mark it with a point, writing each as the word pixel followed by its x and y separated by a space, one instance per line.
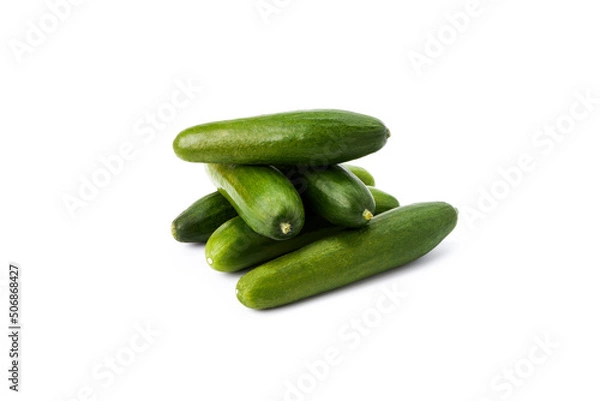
pixel 383 200
pixel 314 137
pixel 362 174
pixel 263 197
pixel 334 193
pixel 392 239
pixel 235 246
pixel 202 218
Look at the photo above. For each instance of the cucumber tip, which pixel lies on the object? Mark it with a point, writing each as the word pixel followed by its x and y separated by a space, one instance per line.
pixel 367 215
pixel 286 228
pixel 209 260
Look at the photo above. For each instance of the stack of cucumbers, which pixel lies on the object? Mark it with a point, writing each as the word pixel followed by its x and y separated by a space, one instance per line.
pixel 287 210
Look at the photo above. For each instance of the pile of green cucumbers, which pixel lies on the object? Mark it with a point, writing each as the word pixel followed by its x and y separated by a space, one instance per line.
pixel 290 213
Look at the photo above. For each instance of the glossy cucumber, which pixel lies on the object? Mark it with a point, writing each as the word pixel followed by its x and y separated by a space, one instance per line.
pixel 383 200
pixel 202 218
pixel 235 246
pixel 392 239
pixel 362 174
pixel 312 137
pixel 263 197
pixel 334 193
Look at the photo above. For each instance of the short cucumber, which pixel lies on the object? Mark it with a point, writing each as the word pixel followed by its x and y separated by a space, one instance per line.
pixel 202 218
pixel 362 174
pixel 312 137
pixel 383 200
pixel 392 239
pixel 264 198
pixel 334 193
pixel 235 246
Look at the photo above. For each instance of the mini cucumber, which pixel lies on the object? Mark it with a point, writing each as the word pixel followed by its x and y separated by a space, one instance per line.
pixel 312 137
pixel 202 218
pixel 362 174
pixel 235 246
pixel 392 239
pixel 263 197
pixel 334 193
pixel 383 200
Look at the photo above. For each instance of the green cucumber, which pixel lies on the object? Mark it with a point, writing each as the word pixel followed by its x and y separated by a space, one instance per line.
pixel 262 196
pixel 392 239
pixel 362 174
pixel 312 137
pixel 234 246
pixel 202 218
pixel 383 200
pixel 334 193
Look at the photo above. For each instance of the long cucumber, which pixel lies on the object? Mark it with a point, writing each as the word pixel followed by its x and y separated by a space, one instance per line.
pixel 392 239
pixel 313 137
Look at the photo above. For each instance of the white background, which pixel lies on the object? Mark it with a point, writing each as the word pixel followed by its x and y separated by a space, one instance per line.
pixel 524 270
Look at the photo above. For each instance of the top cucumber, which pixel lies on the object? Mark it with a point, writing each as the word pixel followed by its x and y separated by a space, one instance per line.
pixel 315 137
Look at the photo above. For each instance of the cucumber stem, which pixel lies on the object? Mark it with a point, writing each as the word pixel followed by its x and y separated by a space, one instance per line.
pixel 286 228
pixel 367 215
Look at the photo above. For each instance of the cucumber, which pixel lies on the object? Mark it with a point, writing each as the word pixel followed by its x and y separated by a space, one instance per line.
pixel 392 239
pixel 334 193
pixel 312 137
pixel 202 218
pixel 383 200
pixel 262 196
pixel 362 174
pixel 235 246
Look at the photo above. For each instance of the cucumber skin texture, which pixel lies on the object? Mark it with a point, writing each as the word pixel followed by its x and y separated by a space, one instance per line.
pixel 315 137
pixel 383 200
pixel 393 238
pixel 202 218
pixel 336 194
pixel 262 196
pixel 362 174
pixel 234 246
